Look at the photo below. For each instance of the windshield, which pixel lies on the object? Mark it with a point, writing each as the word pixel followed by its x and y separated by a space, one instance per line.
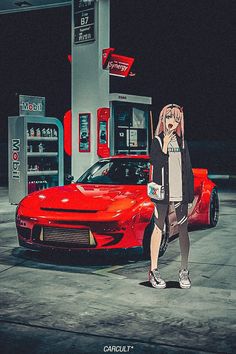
pixel 118 171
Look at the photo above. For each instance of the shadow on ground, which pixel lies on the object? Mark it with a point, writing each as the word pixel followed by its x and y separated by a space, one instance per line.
pixel 66 259
pixel 169 284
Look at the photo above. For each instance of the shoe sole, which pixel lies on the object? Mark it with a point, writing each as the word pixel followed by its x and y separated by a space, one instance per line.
pixel 185 286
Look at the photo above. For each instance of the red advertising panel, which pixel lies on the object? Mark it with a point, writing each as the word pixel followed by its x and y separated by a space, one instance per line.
pixel 118 65
pixel 103 115
pixel 67 122
pixel 106 54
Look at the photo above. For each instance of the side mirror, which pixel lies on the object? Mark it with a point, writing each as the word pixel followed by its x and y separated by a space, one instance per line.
pixel 69 178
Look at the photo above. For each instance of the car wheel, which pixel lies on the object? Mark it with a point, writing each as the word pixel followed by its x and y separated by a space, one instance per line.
pixel 214 208
pixel 147 238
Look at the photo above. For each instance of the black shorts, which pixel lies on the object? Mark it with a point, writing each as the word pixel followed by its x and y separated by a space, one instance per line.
pixel 161 211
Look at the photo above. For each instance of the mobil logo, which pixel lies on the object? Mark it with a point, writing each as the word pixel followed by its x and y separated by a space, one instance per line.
pixel 31 106
pixel 15 160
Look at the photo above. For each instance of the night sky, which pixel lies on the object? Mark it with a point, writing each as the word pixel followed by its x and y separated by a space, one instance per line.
pixel 183 54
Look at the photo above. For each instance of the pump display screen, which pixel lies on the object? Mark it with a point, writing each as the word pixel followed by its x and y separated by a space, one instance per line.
pixel 102 132
pixel 84 132
pixel 123 115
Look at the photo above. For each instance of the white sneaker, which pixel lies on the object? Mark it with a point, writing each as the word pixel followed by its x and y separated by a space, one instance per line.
pixel 184 280
pixel 156 280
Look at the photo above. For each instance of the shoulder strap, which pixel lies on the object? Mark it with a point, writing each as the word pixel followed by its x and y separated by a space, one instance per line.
pixel 162 170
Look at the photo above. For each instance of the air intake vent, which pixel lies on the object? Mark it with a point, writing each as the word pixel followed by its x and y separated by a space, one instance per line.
pixel 67 237
pixel 69 210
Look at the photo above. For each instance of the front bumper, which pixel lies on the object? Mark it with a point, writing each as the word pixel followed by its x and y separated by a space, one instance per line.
pixel 64 235
pixel 95 252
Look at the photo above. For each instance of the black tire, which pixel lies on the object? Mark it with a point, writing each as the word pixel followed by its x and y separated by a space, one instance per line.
pixel 147 238
pixel 214 208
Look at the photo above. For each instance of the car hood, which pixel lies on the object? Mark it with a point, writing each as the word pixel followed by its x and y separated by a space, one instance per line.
pixel 88 197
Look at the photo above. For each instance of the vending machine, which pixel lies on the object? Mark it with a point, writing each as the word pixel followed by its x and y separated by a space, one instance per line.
pixel 130 131
pixel 35 155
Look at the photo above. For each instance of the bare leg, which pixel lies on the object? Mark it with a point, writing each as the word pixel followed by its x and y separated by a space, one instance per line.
pixel 155 246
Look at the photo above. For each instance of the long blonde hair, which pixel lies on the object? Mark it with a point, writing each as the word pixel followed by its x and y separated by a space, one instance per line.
pixel 178 114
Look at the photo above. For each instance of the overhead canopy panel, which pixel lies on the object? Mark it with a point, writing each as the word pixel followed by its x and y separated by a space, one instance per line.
pixel 11 6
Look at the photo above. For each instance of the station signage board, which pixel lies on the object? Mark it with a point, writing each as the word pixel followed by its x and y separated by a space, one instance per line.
pixel 84 21
pixel 118 65
pixel 31 105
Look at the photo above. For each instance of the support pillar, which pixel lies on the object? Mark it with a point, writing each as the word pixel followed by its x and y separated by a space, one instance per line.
pixel 90 84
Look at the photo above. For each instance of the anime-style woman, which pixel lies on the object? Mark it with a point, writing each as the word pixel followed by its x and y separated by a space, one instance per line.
pixel 172 168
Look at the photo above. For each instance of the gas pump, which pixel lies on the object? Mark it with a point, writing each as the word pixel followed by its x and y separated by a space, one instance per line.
pixel 130 124
pixel 124 128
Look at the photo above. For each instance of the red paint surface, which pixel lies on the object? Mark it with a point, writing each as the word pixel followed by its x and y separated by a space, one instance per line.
pixel 67 123
pixel 118 209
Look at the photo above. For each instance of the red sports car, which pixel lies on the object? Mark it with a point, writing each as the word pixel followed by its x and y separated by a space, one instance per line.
pixel 106 208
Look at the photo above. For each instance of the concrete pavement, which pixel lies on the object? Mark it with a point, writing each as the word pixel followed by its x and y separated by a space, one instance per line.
pixel 58 304
pixel 7 211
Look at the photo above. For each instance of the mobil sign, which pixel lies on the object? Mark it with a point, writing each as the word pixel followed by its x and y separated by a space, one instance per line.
pixel 31 105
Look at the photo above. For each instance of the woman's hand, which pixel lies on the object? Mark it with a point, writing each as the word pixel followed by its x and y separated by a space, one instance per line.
pixel 166 140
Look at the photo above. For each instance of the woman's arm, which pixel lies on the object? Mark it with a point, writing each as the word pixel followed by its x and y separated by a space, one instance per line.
pixel 157 156
pixel 166 140
pixel 160 153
